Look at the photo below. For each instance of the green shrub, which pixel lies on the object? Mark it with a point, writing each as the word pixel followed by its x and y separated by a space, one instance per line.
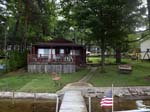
pixel 2 54
pixel 16 60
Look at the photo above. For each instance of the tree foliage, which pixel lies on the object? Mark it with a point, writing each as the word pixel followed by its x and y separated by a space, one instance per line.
pixel 105 23
pixel 23 22
pixel 28 21
pixel 110 21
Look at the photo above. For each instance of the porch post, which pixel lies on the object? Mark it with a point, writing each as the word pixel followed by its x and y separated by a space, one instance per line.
pixel 51 56
pixel 33 50
pixel 28 59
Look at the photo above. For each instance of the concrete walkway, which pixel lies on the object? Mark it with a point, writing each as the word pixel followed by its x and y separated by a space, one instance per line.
pixel 89 75
pixel 80 85
pixel 73 101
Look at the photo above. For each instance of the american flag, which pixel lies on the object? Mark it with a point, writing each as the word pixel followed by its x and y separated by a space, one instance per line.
pixel 107 101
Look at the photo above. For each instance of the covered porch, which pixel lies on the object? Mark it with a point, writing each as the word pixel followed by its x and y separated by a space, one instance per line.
pixel 58 55
pixel 51 59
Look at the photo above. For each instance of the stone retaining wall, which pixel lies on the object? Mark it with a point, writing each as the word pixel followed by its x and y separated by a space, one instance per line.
pixel 138 92
pixel 126 92
pixel 24 95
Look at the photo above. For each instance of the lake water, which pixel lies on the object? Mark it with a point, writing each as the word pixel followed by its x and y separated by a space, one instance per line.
pixel 119 104
pixel 7 105
pixel 28 105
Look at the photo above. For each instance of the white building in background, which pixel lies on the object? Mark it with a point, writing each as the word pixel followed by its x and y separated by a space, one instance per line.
pixel 145 48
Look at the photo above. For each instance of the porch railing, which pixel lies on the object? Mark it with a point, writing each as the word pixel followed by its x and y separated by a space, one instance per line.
pixel 50 58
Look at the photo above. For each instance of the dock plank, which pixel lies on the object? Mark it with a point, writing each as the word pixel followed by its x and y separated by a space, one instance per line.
pixel 73 101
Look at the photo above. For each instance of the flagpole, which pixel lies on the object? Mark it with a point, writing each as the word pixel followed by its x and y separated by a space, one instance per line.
pixel 112 98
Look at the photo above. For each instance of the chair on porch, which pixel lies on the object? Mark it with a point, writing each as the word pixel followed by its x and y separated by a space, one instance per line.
pixel 56 78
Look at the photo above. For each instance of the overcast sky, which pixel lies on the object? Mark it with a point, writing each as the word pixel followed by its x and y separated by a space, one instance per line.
pixel 144 2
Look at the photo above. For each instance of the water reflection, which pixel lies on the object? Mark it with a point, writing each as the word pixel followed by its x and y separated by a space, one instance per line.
pixel 6 105
pixel 123 105
pixel 140 107
pixel 26 105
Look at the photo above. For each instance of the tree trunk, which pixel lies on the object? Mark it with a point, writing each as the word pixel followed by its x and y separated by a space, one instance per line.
pixel 24 41
pixel 102 55
pixel 148 5
pixel 118 55
pixel 16 26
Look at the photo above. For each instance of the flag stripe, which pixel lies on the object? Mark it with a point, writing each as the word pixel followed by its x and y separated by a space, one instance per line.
pixel 107 101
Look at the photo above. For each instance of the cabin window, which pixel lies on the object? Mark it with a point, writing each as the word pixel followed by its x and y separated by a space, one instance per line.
pixel 52 53
pixel 62 51
pixel 40 52
pixel 43 53
pixel 75 52
pixel 49 53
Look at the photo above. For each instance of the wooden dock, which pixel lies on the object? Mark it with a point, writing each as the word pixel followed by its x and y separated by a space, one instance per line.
pixel 73 101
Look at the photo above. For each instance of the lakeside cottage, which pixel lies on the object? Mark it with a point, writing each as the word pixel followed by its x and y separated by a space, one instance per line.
pixel 58 55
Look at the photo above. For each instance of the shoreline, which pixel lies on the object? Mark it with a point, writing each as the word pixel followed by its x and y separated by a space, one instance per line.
pixel 131 93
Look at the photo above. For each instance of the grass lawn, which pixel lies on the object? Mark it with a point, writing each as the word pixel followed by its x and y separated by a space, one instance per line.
pixel 140 76
pixel 28 82
pixel 108 60
pixel 94 60
pixel 1 60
